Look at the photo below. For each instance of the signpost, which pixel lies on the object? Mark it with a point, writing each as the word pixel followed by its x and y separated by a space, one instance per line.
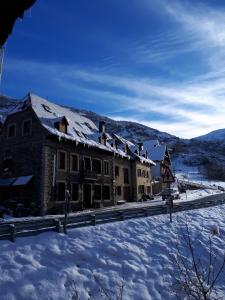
pixel 169 178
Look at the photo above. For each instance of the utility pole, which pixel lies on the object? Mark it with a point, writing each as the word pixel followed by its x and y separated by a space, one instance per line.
pixel 67 202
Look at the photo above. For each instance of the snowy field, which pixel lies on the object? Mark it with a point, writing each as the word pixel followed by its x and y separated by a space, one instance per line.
pixel 137 252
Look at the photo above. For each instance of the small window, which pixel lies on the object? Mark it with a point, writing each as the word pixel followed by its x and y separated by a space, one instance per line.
pixel 118 190
pixel 97 166
pixel 97 192
pixel 117 171
pixel 147 174
pixel 26 128
pixel 75 192
pixel 74 162
pixel 106 167
pixel 139 172
pixel 143 173
pixel 106 192
pixel 87 163
pixel 126 175
pixel 78 133
pixel 61 191
pixel 62 160
pixel 11 130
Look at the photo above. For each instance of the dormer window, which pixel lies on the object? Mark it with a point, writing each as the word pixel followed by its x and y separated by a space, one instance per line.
pixel 46 108
pixel 62 125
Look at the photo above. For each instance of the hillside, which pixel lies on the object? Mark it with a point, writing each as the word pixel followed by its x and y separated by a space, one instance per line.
pixel 205 154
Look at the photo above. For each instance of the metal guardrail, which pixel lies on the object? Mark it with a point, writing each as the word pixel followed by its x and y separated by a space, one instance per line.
pixel 19 228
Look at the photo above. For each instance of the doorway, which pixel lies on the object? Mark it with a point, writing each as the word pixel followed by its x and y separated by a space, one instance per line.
pixel 87 195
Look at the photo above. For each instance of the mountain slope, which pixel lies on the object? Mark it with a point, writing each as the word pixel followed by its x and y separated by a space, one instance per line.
pixel 216 135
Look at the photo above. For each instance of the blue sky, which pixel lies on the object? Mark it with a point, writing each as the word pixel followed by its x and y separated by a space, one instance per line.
pixel 157 62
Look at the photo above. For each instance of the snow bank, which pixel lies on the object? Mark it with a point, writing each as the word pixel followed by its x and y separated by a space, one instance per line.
pixel 54 266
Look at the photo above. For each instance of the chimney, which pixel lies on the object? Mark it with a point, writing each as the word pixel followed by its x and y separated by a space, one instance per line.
pixel 101 127
pixel 102 139
pixel 126 148
pixel 140 148
pixel 146 154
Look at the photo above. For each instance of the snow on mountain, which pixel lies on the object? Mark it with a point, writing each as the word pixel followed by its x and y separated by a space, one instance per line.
pixel 216 135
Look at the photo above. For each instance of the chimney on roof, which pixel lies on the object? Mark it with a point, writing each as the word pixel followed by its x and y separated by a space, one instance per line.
pixel 126 149
pixel 102 127
pixel 146 154
pixel 102 138
pixel 140 148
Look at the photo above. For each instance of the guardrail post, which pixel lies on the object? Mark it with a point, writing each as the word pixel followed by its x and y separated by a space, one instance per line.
pixel 58 226
pixel 12 230
pixel 93 220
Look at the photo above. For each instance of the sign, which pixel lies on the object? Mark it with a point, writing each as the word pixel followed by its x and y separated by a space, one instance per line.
pixel 168 176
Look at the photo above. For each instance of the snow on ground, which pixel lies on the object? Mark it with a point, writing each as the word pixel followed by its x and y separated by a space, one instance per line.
pixel 138 251
pixel 192 173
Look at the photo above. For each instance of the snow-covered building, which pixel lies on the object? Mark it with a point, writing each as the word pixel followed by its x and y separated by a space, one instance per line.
pixel 159 153
pixel 47 149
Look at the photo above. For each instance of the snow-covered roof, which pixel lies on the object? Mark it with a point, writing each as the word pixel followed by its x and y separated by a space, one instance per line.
pixel 122 140
pixel 155 150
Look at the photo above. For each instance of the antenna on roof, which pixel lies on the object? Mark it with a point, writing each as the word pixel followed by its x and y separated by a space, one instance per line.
pixel 2 51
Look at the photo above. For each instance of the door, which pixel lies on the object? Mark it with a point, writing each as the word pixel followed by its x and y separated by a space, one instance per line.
pixel 126 193
pixel 87 195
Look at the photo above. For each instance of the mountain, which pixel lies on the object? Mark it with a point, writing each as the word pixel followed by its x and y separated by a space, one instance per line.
pixel 216 135
pixel 205 155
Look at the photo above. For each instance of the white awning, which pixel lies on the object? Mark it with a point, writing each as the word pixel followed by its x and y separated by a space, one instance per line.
pixel 23 180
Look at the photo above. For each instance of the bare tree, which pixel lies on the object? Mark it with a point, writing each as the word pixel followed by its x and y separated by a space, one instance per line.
pixel 198 267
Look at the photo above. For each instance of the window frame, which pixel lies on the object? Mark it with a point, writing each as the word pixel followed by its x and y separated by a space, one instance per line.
pixel 30 131
pixel 8 126
pixel 58 160
pixel 78 191
pixel 126 177
pixel 104 169
pixel 57 194
pixel 71 160
pixel 88 170
pixel 101 187
pixel 109 199
pixel 97 159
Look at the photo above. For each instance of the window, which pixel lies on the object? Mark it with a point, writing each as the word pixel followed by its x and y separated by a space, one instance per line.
pixel 97 192
pixel 143 173
pixel 117 171
pixel 62 160
pixel 147 174
pixel 26 128
pixel 61 191
pixel 74 162
pixel 74 192
pixel 106 167
pixel 106 192
pixel 118 190
pixel 125 175
pixel 11 130
pixel 139 172
pixel 141 189
pixel 97 166
pixel 87 163
pixel 148 190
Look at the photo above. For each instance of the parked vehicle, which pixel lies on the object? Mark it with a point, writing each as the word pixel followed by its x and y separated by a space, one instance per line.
pixel 169 192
